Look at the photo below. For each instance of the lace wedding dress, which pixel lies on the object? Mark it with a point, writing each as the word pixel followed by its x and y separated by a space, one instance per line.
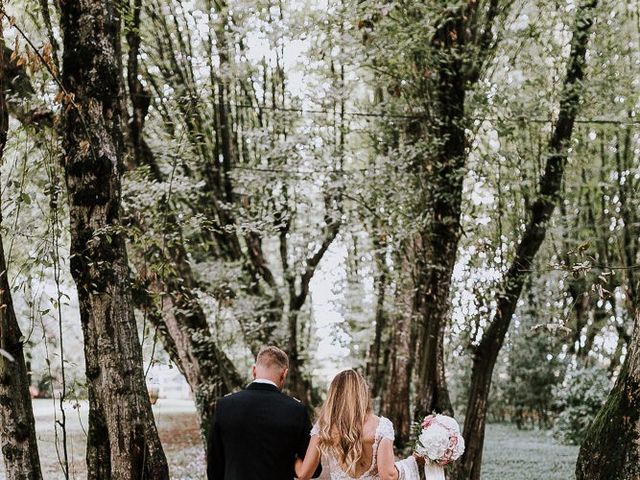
pixel 407 468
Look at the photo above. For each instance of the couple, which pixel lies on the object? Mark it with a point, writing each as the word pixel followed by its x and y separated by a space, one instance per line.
pixel 262 434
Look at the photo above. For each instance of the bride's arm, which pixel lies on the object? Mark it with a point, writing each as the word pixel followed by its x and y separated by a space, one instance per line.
pixel 386 461
pixel 307 467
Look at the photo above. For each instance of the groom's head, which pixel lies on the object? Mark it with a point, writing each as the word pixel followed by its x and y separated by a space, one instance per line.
pixel 271 364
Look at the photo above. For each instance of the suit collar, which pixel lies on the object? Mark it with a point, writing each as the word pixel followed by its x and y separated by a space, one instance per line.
pixel 262 386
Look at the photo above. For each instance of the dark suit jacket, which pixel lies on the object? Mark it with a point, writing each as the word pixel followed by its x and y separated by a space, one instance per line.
pixel 256 434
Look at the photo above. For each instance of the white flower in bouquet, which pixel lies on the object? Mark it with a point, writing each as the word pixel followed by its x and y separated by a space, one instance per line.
pixel 433 442
pixel 440 440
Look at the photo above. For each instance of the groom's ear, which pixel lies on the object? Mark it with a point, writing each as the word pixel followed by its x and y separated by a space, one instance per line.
pixel 253 372
pixel 284 374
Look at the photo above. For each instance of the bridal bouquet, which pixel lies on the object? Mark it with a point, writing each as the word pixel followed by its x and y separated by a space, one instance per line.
pixel 440 443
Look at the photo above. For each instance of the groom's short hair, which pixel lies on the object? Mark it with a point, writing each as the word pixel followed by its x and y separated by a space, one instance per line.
pixel 271 356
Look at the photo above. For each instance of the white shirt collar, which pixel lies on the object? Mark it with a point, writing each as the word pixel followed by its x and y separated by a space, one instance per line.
pixel 264 380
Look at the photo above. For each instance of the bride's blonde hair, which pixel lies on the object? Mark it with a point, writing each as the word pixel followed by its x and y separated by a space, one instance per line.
pixel 342 417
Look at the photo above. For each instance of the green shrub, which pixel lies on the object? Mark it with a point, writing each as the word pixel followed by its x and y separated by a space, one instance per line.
pixel 578 400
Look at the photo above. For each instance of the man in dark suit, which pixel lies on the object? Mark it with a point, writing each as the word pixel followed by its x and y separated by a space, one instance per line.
pixel 257 433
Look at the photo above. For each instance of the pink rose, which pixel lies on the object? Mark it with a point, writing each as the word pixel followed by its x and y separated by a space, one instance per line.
pixel 428 420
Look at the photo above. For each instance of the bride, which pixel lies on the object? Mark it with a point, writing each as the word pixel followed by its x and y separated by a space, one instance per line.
pixel 355 443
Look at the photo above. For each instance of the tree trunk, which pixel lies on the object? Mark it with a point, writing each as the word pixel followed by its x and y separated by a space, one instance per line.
pixel 17 424
pixel 396 398
pixel 374 367
pixel 486 353
pixel 18 439
pixel 122 441
pixel 442 170
pixel 299 385
pixel 433 307
pixel 611 448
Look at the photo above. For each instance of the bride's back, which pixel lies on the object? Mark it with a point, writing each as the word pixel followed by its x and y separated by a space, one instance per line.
pixel 368 441
pixel 349 432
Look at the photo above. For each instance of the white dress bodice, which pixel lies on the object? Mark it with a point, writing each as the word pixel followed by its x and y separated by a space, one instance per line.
pixel 384 430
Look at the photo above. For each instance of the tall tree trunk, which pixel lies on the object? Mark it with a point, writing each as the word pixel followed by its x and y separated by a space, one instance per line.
pixel 396 398
pixel 18 439
pixel 122 441
pixel 439 241
pixel 486 353
pixel 460 47
pixel 611 448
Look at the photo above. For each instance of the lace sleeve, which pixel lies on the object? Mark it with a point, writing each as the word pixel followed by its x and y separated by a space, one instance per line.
pixel 315 430
pixel 386 429
pixel 408 469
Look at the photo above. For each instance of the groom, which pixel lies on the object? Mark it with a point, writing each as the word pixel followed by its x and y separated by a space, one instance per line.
pixel 257 433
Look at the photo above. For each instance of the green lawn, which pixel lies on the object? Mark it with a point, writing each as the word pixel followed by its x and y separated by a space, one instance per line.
pixel 509 454
pixel 512 454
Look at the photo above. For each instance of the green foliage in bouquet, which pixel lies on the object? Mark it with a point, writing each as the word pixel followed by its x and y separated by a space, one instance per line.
pixel 416 430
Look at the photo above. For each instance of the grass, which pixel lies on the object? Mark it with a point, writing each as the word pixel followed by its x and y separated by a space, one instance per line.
pixel 512 454
pixel 509 454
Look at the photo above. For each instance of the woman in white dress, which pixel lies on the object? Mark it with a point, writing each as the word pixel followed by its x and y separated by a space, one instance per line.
pixel 356 443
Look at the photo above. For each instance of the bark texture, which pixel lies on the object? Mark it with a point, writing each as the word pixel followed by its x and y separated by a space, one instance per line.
pixel 122 441
pixel 486 353
pixel 18 439
pixel 396 397
pixel 611 449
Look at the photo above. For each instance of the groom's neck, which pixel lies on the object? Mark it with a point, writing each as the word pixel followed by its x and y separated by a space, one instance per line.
pixel 267 381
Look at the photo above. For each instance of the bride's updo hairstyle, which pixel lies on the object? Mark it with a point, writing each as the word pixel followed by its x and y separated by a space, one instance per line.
pixel 342 418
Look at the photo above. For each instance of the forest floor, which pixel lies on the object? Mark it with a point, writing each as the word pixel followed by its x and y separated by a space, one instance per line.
pixel 509 454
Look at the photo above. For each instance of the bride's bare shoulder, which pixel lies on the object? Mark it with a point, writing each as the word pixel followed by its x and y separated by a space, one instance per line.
pixel 371 424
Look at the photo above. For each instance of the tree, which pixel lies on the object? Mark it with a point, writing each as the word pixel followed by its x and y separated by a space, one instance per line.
pixel 122 439
pixel 539 213
pixel 19 446
pixel 611 448
pixel 234 125
pixel 430 85
pixel 166 284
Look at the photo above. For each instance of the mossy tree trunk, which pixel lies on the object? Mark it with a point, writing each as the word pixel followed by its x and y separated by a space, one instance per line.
pixel 18 439
pixel 122 441
pixel 611 449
